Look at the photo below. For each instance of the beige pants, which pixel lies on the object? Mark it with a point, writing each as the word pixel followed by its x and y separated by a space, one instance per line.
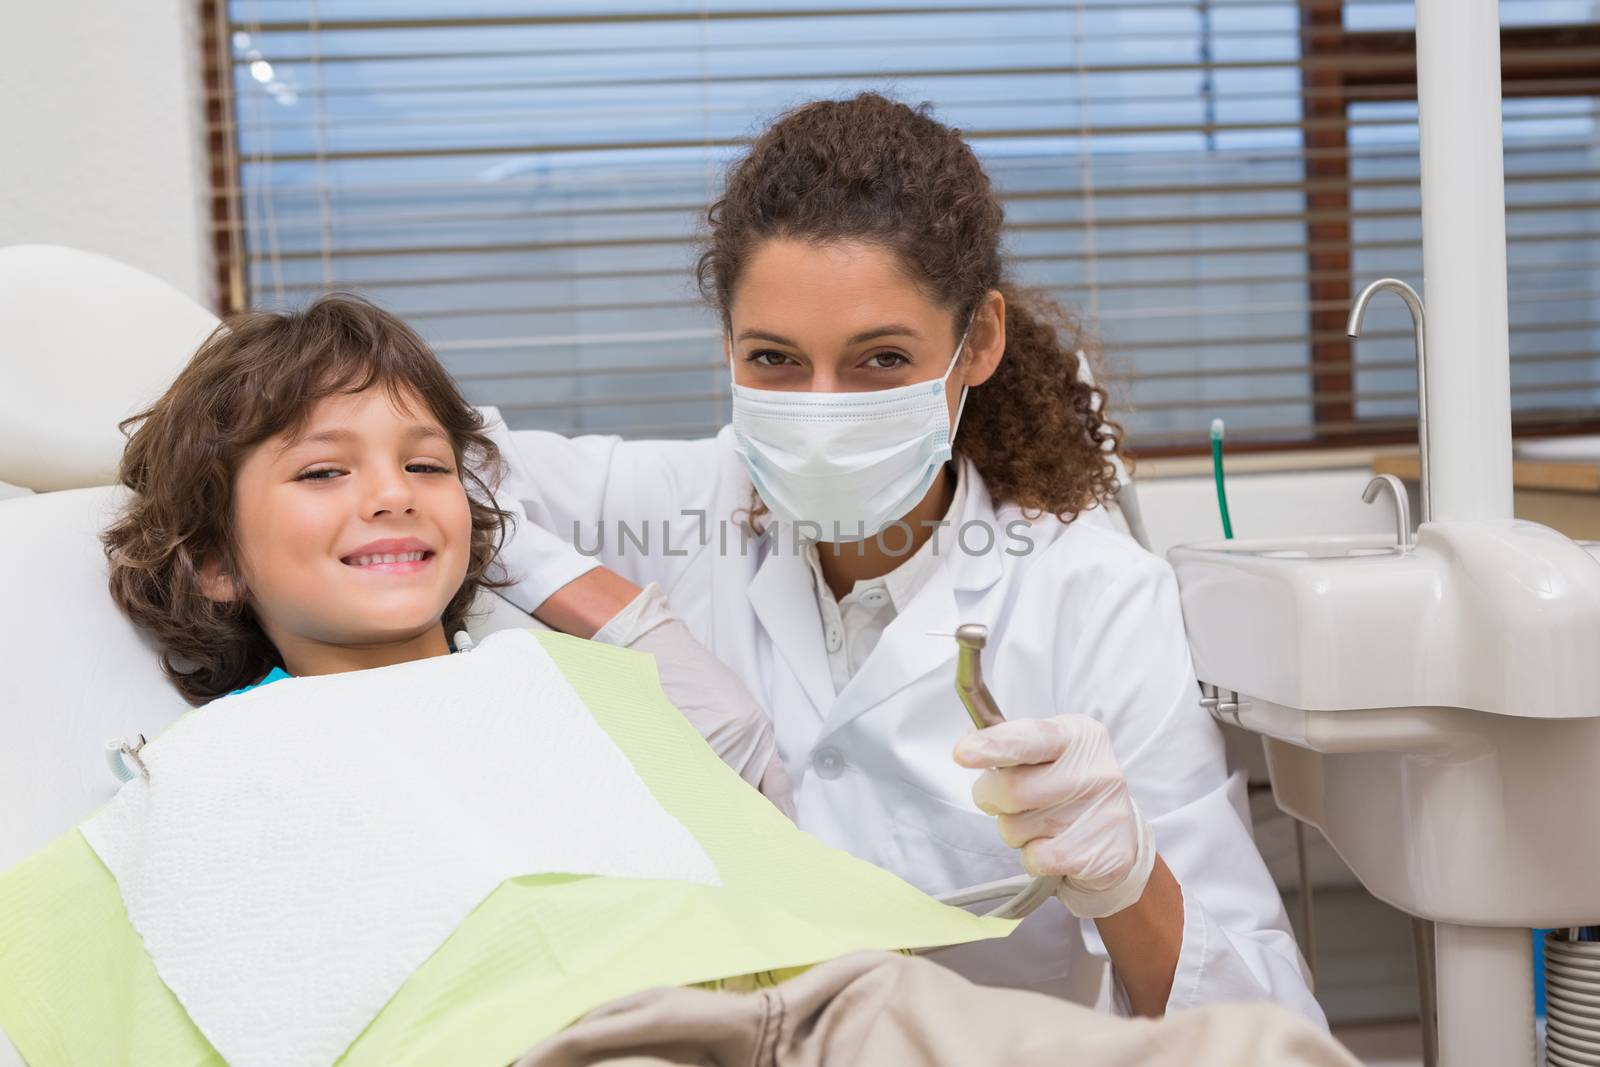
pixel 874 1009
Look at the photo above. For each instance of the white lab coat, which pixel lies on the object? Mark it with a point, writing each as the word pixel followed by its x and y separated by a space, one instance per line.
pixel 1083 621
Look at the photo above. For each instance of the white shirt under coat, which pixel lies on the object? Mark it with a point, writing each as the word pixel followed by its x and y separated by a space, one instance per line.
pixel 851 627
pixel 1081 619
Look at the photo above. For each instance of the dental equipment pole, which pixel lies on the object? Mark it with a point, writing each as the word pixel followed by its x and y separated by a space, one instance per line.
pixel 1464 259
pixel 1484 974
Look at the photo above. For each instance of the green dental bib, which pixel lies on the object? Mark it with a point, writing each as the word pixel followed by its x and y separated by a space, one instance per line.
pixel 77 987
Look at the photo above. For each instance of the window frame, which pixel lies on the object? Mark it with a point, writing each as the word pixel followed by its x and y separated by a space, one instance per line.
pixel 226 208
pixel 1380 65
pixel 1338 68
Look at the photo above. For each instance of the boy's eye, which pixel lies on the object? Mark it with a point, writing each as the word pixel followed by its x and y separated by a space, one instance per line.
pixel 426 467
pixel 321 474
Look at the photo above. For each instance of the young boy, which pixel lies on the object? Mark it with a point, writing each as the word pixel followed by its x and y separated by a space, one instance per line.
pixel 313 495
pixel 306 499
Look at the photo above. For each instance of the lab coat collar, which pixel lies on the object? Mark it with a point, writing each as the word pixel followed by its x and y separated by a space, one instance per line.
pixel 906 580
pixel 783 594
pixel 784 597
pixel 907 652
pixel 973 572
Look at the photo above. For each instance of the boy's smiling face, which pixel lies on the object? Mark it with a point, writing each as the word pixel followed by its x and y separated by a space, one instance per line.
pixel 353 535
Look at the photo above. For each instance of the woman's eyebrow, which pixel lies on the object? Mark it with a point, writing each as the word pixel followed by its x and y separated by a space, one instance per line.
pixel 894 329
pixel 763 335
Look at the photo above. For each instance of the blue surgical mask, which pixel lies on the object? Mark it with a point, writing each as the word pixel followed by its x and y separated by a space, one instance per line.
pixel 852 463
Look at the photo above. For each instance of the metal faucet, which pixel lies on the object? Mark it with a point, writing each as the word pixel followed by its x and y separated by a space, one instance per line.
pixel 1419 324
pixel 1402 505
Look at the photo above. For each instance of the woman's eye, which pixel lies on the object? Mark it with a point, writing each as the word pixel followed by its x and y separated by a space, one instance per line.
pixel 322 474
pixel 767 358
pixel 887 360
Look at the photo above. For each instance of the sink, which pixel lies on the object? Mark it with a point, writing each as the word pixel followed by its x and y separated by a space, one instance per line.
pixel 1433 710
pixel 1344 553
pixel 1352 546
pixel 1502 617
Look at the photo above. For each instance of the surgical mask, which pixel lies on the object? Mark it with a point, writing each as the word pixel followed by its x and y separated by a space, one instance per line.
pixel 851 463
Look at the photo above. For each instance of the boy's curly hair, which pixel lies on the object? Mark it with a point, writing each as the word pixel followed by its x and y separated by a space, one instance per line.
pixel 258 375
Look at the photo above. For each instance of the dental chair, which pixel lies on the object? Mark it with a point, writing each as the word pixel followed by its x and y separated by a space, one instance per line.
pixel 85 341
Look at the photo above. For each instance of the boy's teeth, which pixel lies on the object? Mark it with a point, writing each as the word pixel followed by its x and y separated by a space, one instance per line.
pixel 386 557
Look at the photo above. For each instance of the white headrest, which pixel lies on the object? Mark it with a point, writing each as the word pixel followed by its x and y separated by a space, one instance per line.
pixel 85 341
pixel 74 672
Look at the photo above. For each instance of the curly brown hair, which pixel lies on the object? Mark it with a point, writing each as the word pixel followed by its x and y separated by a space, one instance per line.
pixel 876 170
pixel 258 375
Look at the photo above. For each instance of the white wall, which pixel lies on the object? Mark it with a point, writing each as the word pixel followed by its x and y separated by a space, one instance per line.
pixel 101 134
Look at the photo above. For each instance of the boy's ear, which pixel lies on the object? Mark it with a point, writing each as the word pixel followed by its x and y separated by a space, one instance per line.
pixel 217 583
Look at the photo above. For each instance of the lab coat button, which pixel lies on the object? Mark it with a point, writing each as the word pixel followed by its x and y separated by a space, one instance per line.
pixel 873 598
pixel 829 763
pixel 835 639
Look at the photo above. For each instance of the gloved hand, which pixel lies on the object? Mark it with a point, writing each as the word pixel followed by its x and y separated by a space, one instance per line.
pixel 706 691
pixel 1062 799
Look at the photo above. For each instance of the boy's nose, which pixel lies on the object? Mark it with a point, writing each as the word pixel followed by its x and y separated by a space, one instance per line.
pixel 390 493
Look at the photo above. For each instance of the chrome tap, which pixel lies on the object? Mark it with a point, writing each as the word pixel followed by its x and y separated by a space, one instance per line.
pixel 1419 324
pixel 1402 505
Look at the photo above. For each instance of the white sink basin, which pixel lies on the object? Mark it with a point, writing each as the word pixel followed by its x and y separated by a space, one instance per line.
pixel 1353 546
pixel 1435 711
pixel 1317 553
pixel 1499 617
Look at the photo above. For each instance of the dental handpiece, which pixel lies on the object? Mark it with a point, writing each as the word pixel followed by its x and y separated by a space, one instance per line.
pixel 970 638
pixel 1024 894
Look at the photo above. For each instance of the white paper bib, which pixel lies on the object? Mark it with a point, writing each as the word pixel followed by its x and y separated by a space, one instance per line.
pixel 300 849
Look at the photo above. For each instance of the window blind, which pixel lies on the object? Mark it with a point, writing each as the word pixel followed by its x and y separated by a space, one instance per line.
pixel 1208 181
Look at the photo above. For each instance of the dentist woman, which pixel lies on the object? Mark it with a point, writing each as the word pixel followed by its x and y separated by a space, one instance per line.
pixel 912 443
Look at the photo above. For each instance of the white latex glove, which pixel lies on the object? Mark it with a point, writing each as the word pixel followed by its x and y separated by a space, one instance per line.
pixel 1062 799
pixel 705 690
